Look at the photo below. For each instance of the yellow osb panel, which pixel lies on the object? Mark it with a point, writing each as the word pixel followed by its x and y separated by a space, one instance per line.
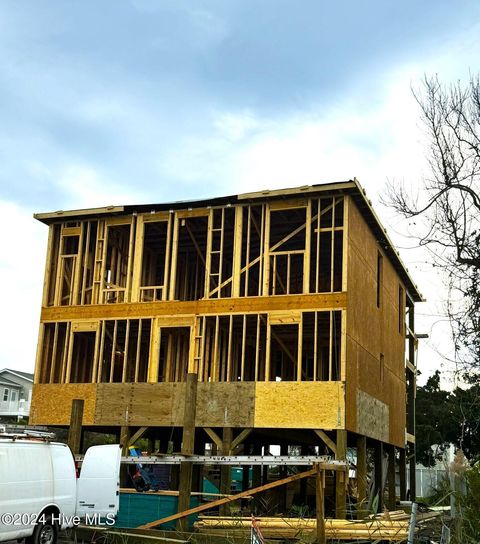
pixel 372 417
pixel 300 405
pixel 52 403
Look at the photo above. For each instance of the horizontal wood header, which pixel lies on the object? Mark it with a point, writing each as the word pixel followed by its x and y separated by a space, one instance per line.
pixel 244 305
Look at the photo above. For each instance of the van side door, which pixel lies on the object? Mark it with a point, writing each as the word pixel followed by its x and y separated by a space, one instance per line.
pixel 98 487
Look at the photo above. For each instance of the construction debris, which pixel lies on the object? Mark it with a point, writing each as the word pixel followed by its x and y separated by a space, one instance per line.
pixel 296 528
pixel 391 526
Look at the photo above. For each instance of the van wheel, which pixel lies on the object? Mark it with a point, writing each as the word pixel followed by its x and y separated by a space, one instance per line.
pixel 44 533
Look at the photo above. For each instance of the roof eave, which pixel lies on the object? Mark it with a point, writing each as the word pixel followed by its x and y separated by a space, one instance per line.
pixel 49 217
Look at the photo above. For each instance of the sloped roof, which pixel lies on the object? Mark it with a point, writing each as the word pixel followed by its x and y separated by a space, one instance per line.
pixel 26 375
pixel 6 381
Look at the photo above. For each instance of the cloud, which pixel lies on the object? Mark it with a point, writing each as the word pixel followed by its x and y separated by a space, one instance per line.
pixel 87 188
pixel 21 271
pixel 146 101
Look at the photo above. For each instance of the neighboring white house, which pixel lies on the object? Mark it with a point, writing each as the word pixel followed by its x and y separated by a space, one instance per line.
pixel 15 394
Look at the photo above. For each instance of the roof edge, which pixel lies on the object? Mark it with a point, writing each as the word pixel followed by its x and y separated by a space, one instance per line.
pixel 394 254
pixel 49 216
pixel 19 375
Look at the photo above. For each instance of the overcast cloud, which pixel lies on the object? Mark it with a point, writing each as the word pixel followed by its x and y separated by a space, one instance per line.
pixel 140 101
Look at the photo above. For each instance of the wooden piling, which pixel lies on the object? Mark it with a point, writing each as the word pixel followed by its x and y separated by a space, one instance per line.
pixel 75 429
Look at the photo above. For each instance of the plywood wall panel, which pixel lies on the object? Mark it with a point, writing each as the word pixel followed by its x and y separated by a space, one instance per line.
pixel 225 404
pixel 301 405
pixel 113 403
pixel 372 331
pixel 52 403
pixel 373 417
pixel 157 404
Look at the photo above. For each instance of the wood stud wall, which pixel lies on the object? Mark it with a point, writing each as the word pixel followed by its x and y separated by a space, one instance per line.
pixel 215 253
pixel 220 348
pixel 198 254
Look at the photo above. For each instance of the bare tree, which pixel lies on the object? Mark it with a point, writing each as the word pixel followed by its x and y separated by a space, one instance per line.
pixel 450 202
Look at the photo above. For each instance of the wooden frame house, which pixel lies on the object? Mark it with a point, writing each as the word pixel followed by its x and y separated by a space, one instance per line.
pixel 291 310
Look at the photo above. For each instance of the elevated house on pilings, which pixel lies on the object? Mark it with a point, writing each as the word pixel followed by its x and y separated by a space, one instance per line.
pixel 290 310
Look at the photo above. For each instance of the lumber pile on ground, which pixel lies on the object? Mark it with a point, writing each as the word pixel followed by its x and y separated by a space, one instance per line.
pixel 393 515
pixel 394 530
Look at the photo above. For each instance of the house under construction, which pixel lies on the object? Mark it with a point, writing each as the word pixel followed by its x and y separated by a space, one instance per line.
pixel 290 308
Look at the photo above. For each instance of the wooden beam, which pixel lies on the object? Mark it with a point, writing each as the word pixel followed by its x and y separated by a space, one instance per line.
pixel 154 352
pixel 327 440
pixel 391 478
pixel 266 253
pixel 378 474
pixel 131 247
pixel 340 477
pixel 48 267
pixel 39 354
pixel 75 429
pixel 361 476
pixel 137 435
pixel 124 442
pixel 240 438
pixel 225 470
pixel 403 474
pixel 413 474
pixel 241 305
pixel 320 505
pixel 166 273
pixel 232 498
pixel 173 266
pixel 237 251
pixel 124 439
pixel 214 436
pixel 138 258
pixel 307 254
pixel 188 444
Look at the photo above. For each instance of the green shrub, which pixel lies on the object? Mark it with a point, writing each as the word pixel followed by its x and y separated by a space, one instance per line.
pixel 469 506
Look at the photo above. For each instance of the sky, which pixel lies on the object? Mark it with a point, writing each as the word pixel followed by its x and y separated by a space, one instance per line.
pixel 143 101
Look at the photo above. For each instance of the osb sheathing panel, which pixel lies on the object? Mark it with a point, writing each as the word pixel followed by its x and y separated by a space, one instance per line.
pixel 363 373
pixel 113 403
pixel 375 329
pixel 271 404
pixel 301 405
pixel 163 404
pixel 373 417
pixel 372 331
pixel 160 404
pixel 225 404
pixel 52 403
pixel 351 384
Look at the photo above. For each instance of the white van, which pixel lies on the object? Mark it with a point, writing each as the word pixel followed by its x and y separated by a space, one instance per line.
pixel 40 492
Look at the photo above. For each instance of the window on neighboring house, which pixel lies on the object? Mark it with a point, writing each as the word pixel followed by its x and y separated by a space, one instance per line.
pixel 14 396
pixel 5 395
pixel 379 278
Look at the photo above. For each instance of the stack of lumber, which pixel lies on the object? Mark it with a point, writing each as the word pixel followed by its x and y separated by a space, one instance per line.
pixel 394 515
pixel 294 528
pixel 400 515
